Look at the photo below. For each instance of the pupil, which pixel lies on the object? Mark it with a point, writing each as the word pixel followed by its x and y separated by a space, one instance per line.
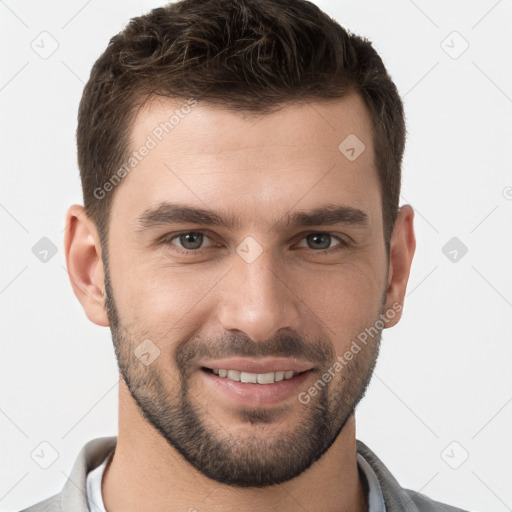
pixel 323 238
pixel 188 242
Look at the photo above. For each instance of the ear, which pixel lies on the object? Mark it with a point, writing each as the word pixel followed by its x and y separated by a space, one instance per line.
pixel 401 252
pixel 84 264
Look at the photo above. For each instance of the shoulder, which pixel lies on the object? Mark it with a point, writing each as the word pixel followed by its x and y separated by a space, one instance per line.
pixel 74 493
pixel 51 504
pixel 425 504
pixel 397 498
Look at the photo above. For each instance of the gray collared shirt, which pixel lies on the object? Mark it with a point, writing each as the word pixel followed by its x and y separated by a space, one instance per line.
pixel 73 497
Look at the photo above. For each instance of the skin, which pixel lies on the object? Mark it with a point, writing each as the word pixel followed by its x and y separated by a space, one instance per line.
pixel 289 301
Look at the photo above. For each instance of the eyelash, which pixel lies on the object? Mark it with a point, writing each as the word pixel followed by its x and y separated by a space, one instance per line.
pixel 167 240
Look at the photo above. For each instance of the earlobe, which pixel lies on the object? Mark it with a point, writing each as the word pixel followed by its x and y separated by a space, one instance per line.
pixel 402 248
pixel 84 264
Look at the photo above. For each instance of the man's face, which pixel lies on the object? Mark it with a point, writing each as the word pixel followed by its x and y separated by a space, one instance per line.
pixel 267 293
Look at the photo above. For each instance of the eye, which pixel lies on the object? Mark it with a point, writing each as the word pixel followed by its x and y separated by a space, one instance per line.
pixel 322 241
pixel 189 241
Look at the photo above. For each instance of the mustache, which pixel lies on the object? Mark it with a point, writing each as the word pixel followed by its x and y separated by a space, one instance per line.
pixel 190 352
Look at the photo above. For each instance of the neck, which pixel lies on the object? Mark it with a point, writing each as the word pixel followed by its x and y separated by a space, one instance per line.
pixel 146 473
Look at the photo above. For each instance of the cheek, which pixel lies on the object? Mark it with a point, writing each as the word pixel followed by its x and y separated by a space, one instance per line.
pixel 165 300
pixel 161 299
pixel 344 299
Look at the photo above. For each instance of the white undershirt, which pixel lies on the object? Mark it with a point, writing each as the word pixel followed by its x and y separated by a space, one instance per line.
pixel 93 486
pixel 95 499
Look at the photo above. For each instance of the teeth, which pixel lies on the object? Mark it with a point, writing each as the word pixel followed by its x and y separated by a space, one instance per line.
pixel 255 378
pixel 249 377
pixel 233 375
pixel 279 376
pixel 265 378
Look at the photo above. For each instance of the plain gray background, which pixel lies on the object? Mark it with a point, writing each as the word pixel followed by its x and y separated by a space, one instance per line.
pixel 439 409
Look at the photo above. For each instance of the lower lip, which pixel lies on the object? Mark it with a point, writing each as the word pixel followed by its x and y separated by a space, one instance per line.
pixel 257 395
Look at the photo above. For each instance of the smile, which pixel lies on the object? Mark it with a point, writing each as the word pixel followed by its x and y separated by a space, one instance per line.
pixel 254 378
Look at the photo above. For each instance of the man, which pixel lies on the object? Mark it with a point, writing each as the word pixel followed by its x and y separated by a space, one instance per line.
pixel 242 238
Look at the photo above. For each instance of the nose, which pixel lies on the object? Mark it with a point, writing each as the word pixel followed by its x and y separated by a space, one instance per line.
pixel 259 298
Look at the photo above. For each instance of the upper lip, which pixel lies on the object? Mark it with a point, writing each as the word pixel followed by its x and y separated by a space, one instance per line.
pixel 262 365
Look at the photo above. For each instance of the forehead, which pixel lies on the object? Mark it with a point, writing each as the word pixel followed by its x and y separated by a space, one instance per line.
pixel 203 154
pixel 313 123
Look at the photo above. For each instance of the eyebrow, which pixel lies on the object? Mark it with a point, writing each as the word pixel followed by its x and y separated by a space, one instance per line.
pixel 174 213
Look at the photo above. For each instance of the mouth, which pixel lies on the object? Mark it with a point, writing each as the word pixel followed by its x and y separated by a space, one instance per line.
pixel 255 383
pixel 253 378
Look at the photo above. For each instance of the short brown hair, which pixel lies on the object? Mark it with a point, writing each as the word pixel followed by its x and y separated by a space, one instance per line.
pixel 246 55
